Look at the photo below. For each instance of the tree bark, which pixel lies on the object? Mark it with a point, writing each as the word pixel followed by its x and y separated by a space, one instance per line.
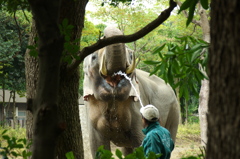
pixel 31 71
pixel 71 138
pixel 68 113
pixel 204 91
pixel 224 64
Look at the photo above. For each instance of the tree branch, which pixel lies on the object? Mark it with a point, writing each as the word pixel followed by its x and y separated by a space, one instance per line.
pixel 125 38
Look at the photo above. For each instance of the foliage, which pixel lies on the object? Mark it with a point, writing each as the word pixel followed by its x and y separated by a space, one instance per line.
pixel 191 5
pixel 131 18
pixel 13 146
pixel 70 155
pixel 116 2
pixel 181 65
pixel 13 5
pixel 71 47
pixel 90 33
pixel 13 42
pixel 138 153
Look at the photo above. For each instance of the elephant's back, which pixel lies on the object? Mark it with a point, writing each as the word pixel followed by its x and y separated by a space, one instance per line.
pixel 155 89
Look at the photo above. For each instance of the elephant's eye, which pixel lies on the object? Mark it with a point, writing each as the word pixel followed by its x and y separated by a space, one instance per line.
pixel 131 56
pixel 93 57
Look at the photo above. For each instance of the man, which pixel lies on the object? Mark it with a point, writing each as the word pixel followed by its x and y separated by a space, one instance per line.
pixel 157 139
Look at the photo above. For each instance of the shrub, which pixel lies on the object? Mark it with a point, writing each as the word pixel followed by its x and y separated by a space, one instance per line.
pixel 12 145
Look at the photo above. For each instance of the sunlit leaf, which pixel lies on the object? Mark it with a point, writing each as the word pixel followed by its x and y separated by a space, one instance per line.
pixel 70 155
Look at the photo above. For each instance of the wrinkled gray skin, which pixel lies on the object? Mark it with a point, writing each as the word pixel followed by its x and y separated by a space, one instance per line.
pixel 113 105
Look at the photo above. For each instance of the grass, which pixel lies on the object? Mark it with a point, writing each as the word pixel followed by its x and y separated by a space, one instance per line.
pixel 188 142
pixel 189 131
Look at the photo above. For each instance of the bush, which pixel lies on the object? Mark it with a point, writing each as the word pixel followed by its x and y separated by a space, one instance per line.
pixel 13 144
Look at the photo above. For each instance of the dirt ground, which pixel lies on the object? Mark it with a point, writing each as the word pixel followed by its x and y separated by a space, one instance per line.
pixel 186 146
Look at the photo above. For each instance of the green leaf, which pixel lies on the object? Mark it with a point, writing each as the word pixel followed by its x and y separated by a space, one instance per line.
pixel 175 66
pixel 65 22
pixel 19 146
pixel 33 53
pixel 67 38
pixel 4 131
pixel 194 89
pixel 14 154
pixel 185 5
pixel 118 153
pixel 191 11
pixel 170 53
pixel 6 137
pixel 170 76
pixel 204 4
pixel 158 49
pixel 160 55
pixel 130 156
pixel 139 153
pixel 195 55
pixel 70 155
pixel 68 59
pixel 31 47
pixel 155 70
pixel 185 92
pixel 70 27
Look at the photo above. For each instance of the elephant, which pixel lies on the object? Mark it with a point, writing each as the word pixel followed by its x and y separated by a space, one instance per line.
pixel 113 103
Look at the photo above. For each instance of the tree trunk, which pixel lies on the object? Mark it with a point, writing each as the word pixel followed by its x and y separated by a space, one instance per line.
pixel 31 71
pixel 203 110
pixel 204 91
pixel 3 123
pixel 71 138
pixel 68 113
pixel 14 111
pixel 224 64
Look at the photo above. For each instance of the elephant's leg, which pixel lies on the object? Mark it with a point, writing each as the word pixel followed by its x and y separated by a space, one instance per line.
pixel 96 140
pixel 173 121
pixel 127 150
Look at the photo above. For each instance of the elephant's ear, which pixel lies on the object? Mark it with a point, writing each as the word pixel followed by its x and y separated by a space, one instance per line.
pixel 135 92
pixel 87 90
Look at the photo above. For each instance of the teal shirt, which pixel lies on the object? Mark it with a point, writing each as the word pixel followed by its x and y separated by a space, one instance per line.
pixel 157 140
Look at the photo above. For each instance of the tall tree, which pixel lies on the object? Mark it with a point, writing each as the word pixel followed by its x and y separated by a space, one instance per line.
pixel 67 94
pixel 13 43
pixel 224 64
pixel 203 22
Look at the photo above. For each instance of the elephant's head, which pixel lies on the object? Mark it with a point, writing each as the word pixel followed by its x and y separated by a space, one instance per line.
pixel 100 66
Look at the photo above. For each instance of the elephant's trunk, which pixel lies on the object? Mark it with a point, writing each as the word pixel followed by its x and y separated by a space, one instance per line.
pixel 115 56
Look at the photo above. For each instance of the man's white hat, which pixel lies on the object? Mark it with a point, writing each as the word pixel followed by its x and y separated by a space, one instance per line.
pixel 150 112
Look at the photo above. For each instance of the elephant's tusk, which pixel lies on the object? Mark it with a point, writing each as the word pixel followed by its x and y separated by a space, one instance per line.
pixel 131 68
pixel 103 68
